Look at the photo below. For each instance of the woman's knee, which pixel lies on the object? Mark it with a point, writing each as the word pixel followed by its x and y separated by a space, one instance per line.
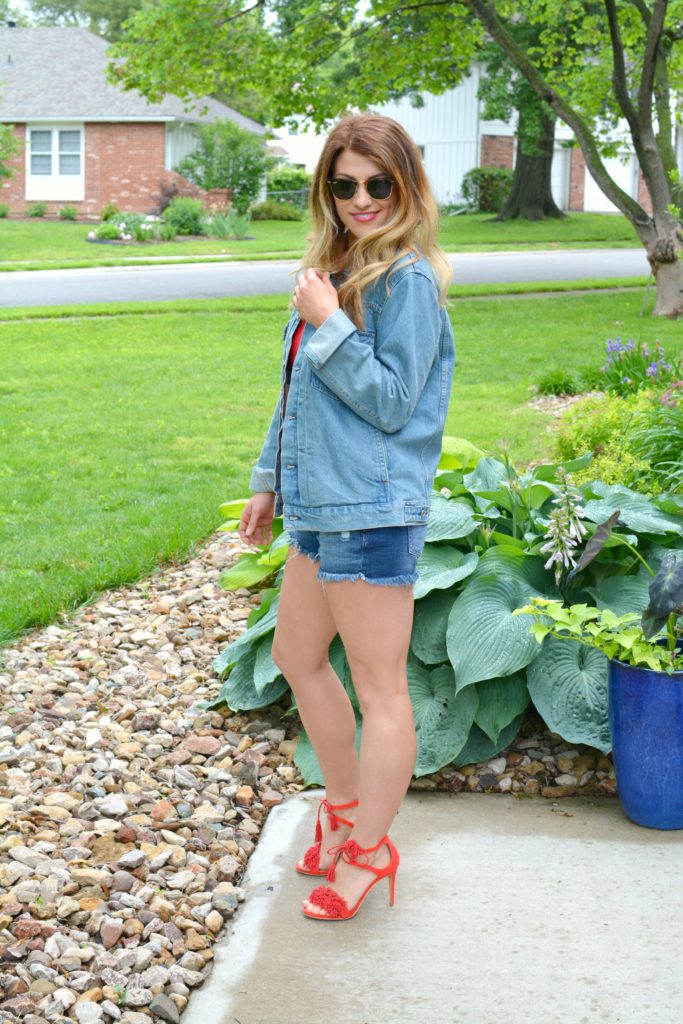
pixel 294 658
pixel 379 690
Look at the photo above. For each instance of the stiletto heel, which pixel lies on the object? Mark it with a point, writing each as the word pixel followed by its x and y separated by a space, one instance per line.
pixel 333 906
pixel 310 862
pixel 392 888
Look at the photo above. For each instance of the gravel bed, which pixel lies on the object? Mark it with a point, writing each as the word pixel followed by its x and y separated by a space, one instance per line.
pixel 128 815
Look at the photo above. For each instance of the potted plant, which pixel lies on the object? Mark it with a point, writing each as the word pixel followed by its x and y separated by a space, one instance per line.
pixel 645 678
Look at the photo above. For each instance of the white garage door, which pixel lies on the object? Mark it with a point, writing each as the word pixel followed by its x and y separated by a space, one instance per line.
pixel 624 174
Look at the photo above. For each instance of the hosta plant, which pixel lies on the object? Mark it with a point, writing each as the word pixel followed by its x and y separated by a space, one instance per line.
pixel 496 539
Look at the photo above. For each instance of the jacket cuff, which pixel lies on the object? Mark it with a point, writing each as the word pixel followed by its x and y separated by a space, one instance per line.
pixel 329 337
pixel 262 479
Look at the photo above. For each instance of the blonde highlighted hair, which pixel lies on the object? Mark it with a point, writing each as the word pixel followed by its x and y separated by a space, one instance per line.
pixel 410 231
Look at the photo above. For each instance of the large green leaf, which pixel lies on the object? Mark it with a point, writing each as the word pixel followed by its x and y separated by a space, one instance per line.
pixel 457 453
pixel 479 747
pixel 449 519
pixel 307 762
pixel 235 650
pixel 239 692
pixel 622 594
pixel 247 571
pixel 484 639
pixel 428 638
pixel 635 511
pixel 487 475
pixel 442 718
pixel 265 669
pixel 500 701
pixel 440 566
pixel 511 563
pixel 568 685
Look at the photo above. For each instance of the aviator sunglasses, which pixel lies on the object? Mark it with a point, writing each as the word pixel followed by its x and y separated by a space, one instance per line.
pixel 346 188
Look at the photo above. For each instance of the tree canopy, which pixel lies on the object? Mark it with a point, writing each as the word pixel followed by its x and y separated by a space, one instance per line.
pixel 610 70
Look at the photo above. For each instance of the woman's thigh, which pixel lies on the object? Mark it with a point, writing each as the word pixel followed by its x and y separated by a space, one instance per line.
pixel 375 623
pixel 305 627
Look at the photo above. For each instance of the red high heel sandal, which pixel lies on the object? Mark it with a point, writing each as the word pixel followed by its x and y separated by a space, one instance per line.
pixel 310 863
pixel 335 906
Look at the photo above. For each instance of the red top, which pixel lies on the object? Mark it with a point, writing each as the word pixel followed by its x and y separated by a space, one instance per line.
pixel 295 342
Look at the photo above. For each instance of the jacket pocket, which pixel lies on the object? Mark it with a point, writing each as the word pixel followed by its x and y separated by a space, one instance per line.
pixel 345 460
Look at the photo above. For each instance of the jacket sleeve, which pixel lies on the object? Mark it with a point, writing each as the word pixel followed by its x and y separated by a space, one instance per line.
pixel 382 383
pixel 263 473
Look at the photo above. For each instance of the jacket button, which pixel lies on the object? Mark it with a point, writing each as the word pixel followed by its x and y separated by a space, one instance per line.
pixel 291 465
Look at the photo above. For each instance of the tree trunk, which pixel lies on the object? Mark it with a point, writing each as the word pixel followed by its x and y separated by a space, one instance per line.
pixel 531 195
pixel 667 269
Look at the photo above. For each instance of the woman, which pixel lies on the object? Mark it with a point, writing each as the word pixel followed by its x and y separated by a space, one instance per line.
pixel 349 460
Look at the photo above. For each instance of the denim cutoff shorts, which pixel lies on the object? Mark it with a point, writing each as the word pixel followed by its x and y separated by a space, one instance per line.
pixel 384 554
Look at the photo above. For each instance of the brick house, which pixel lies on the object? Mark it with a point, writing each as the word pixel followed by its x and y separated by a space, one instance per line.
pixel 84 142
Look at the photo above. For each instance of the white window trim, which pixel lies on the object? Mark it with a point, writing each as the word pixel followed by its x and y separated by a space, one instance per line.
pixel 57 187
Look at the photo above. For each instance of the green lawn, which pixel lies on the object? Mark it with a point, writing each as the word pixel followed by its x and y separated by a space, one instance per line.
pixel 38 244
pixel 123 428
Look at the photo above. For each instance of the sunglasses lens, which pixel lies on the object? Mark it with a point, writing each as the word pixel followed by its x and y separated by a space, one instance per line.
pixel 342 188
pixel 379 188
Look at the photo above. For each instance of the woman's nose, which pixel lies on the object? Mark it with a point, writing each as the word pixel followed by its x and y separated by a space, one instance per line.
pixel 362 197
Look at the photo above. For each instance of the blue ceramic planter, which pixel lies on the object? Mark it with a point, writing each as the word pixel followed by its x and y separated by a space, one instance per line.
pixel 646 721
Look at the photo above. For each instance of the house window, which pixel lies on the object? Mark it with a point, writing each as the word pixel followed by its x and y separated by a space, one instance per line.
pixel 41 152
pixel 54 165
pixel 69 144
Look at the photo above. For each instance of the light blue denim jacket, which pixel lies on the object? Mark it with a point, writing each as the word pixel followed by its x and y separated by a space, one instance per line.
pixel 364 411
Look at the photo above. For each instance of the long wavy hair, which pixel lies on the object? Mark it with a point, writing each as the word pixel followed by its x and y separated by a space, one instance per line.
pixel 410 231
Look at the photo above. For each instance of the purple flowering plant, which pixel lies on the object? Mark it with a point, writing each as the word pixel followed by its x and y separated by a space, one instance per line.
pixel 630 367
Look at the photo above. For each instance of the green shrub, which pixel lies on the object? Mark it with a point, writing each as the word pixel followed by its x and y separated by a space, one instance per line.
pixel 67 213
pixel 285 178
pixel 167 232
pixel 637 440
pixel 186 215
pixel 109 211
pixel 558 382
pixel 227 156
pixel 485 189
pixel 36 209
pixel 289 185
pixel 271 209
pixel 657 438
pixel 107 231
pixel 219 226
pixel 240 224
pixel 592 422
pixel 4 210
pixel 591 377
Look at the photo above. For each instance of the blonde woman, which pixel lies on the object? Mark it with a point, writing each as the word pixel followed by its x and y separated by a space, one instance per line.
pixel 349 461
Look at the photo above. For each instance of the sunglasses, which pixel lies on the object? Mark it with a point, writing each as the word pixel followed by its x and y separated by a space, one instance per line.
pixel 346 188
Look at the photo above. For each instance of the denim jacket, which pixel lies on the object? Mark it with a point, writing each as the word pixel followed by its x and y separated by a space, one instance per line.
pixel 355 437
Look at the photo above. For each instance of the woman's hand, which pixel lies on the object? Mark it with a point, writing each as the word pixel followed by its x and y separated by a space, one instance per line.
pixel 315 297
pixel 257 519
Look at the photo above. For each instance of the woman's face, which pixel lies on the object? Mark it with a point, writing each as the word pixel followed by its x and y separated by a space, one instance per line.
pixel 361 214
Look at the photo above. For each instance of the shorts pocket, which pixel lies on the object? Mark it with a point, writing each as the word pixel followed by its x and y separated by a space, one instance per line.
pixel 416 539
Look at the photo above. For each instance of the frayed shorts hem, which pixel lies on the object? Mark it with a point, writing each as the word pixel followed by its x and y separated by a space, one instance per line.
pixel 353 577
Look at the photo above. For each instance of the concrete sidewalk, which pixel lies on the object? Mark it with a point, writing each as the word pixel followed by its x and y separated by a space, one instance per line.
pixel 507 911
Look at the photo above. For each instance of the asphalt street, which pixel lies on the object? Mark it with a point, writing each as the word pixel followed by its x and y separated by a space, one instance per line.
pixel 164 282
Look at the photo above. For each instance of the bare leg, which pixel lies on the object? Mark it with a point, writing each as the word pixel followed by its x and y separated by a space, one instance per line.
pixel 305 628
pixel 375 624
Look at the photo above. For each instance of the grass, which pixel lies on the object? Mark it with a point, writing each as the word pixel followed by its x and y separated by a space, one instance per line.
pixel 44 245
pixel 123 428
